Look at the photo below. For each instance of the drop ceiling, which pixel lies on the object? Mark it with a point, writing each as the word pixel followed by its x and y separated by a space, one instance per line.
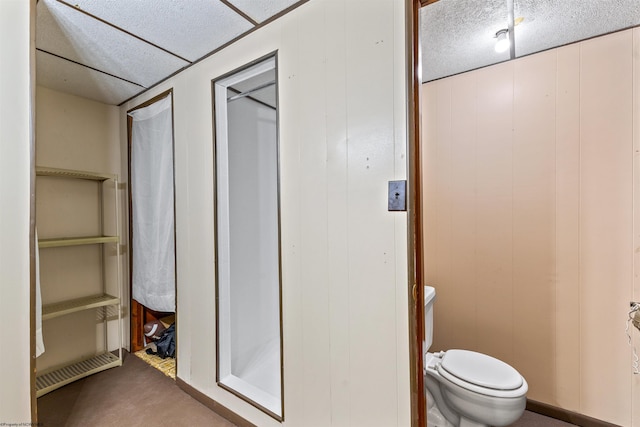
pixel 113 50
pixel 458 35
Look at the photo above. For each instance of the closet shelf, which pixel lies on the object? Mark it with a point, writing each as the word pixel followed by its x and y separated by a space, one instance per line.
pixel 77 366
pixel 75 241
pixel 49 381
pixel 77 174
pixel 50 311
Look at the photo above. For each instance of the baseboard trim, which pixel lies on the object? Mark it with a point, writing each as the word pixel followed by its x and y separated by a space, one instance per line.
pixel 213 405
pixel 566 416
pixel 533 406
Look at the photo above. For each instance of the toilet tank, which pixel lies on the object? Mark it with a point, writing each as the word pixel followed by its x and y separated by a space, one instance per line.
pixel 429 299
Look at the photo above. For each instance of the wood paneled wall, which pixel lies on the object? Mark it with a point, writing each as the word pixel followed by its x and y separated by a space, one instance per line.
pixel 529 218
pixel 342 124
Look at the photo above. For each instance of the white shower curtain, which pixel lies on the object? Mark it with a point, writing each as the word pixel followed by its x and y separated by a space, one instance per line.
pixel 153 267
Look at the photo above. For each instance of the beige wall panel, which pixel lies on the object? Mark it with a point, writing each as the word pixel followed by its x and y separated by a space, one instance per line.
pixel 370 36
pixel 494 211
pixel 461 316
pixel 635 395
pixel 76 133
pixel 16 45
pixel 341 249
pixel 70 272
pixel 401 275
pixel 192 109
pixel 429 165
pixel 534 210
pixel 68 338
pixel 337 216
pixel 442 233
pixel 312 199
pixel 183 263
pixel 292 220
pixel 67 208
pixel 567 286
pixel 606 224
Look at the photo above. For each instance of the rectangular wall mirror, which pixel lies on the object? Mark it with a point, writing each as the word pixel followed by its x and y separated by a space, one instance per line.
pixel 249 323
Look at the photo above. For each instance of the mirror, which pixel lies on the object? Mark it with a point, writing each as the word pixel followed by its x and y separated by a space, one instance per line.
pixel 248 295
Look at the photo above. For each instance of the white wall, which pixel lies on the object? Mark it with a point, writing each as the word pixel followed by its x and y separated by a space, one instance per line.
pixel 16 46
pixel 342 137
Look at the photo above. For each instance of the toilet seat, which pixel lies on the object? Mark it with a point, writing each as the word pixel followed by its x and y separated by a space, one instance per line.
pixel 482 374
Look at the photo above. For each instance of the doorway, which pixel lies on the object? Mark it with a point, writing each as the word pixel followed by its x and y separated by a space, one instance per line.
pixel 152 232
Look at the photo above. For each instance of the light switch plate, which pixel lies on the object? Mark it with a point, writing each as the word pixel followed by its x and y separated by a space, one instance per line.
pixel 398 195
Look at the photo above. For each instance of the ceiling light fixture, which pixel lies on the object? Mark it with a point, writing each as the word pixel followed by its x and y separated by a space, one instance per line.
pixel 502 41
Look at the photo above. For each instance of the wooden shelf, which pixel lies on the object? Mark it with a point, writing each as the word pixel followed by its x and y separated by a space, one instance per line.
pixel 50 311
pixel 77 174
pixel 51 380
pixel 76 241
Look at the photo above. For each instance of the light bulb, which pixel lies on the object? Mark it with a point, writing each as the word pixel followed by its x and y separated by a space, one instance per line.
pixel 502 42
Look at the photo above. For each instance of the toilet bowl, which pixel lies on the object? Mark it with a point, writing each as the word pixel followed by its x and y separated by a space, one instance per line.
pixel 468 389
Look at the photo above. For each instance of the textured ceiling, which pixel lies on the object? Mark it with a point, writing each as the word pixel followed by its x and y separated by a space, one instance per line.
pixel 552 23
pixel 189 29
pixel 112 50
pixel 458 35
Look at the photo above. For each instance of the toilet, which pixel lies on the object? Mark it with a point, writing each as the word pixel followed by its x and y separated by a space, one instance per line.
pixel 468 389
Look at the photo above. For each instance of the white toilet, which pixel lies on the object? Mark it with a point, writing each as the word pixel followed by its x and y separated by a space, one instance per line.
pixel 468 389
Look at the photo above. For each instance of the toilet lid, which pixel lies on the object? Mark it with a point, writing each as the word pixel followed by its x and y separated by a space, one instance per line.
pixel 481 370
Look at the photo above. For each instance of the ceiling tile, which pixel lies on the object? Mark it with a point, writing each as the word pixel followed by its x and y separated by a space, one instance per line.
pixel 552 23
pixel 69 33
pixel 64 76
pixel 459 35
pixel 188 29
pixel 261 10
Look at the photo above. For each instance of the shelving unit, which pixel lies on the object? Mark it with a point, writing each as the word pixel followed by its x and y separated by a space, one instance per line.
pixel 50 379
pixel 50 311
pixel 75 241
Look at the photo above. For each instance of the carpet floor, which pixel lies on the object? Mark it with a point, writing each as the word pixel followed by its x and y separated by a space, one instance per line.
pixel 137 394
pixel 134 394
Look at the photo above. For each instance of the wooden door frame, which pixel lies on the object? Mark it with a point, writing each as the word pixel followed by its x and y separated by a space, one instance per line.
pixel 415 258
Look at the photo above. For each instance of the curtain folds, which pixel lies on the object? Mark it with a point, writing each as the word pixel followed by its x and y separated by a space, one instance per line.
pixel 152 214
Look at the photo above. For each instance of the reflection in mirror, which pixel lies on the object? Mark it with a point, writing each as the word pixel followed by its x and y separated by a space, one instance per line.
pixel 248 236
